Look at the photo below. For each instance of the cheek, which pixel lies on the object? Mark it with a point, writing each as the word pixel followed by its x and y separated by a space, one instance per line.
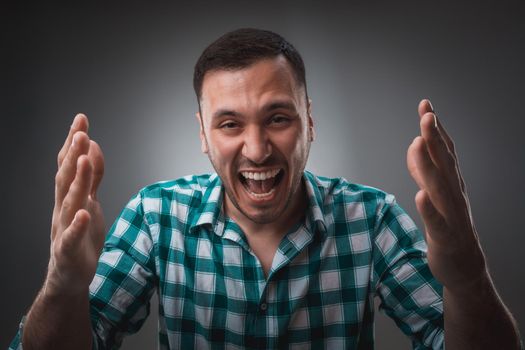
pixel 223 151
pixel 294 146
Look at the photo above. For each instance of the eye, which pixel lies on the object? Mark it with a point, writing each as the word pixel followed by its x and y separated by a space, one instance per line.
pixel 229 125
pixel 279 119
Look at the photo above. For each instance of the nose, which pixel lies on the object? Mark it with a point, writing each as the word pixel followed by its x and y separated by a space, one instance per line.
pixel 257 146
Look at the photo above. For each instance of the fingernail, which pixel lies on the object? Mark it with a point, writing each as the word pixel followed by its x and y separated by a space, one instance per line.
pixel 435 122
pixel 74 121
pixel 430 104
pixel 74 140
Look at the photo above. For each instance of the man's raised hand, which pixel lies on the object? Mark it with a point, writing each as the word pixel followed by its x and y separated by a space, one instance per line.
pixel 454 253
pixel 78 230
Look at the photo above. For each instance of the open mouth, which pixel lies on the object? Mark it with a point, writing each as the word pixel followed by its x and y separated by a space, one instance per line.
pixel 262 183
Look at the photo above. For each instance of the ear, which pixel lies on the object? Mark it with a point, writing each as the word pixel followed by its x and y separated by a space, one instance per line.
pixel 204 144
pixel 311 129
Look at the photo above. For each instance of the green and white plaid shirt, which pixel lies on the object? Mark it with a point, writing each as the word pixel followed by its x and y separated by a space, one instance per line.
pixel 355 243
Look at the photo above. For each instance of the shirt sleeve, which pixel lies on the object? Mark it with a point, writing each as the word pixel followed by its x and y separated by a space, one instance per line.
pixel 408 291
pixel 16 343
pixel 125 279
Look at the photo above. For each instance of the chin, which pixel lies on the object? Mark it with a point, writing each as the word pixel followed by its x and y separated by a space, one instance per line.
pixel 263 218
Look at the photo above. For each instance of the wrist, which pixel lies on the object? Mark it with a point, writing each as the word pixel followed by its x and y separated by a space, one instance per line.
pixel 56 288
pixel 476 286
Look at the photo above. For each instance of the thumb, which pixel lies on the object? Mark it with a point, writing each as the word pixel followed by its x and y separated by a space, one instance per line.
pixel 96 158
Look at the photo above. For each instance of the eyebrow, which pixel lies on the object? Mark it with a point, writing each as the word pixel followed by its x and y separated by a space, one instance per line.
pixel 224 112
pixel 280 105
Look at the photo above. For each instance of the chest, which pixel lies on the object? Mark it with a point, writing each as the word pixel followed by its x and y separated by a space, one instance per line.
pixel 222 286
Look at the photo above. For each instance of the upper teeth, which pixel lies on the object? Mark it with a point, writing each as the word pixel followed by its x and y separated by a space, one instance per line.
pixel 260 175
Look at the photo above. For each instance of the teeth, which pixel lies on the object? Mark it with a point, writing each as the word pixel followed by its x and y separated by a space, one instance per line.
pixel 260 175
pixel 262 195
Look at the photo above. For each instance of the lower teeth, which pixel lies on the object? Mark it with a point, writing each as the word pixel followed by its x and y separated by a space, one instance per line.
pixel 261 195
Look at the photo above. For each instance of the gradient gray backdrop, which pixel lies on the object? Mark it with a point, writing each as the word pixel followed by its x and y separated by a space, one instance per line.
pixel 129 68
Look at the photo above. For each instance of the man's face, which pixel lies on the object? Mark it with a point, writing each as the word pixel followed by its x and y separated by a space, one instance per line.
pixel 256 129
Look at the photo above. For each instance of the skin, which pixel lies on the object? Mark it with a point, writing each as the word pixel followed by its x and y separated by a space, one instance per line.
pixel 59 317
pixel 252 137
pixel 241 131
pixel 475 316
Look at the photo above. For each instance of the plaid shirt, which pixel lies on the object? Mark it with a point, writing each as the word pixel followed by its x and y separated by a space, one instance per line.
pixel 354 243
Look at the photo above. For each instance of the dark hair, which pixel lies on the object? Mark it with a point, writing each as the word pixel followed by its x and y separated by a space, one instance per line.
pixel 241 48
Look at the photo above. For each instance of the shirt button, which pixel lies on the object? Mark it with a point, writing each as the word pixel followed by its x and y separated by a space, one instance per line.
pixel 264 306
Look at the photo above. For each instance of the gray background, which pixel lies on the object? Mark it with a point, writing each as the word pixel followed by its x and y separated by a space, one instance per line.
pixel 129 68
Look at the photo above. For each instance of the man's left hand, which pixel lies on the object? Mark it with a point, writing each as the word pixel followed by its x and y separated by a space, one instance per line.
pixel 454 253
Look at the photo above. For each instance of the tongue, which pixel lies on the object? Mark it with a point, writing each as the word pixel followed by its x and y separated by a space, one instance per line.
pixel 260 186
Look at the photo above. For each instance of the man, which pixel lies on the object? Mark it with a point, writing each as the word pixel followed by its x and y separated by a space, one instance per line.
pixel 263 254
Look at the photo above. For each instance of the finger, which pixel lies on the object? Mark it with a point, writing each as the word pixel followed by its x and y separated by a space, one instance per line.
pixel 424 107
pixel 452 149
pixel 73 234
pixel 80 123
pixel 77 195
pixel 440 154
pixel 97 229
pixel 435 224
pixel 412 166
pixel 430 178
pixel 96 158
pixel 66 172
pixel 439 150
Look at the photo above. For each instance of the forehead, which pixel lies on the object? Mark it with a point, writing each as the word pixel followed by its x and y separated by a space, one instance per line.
pixel 255 84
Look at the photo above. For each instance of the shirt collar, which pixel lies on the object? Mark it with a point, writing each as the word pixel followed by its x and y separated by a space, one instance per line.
pixel 210 211
pixel 316 192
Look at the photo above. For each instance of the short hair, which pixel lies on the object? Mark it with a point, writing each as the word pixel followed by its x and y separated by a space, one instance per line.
pixel 243 47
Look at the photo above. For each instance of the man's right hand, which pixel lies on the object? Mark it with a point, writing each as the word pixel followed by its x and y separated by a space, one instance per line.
pixel 78 229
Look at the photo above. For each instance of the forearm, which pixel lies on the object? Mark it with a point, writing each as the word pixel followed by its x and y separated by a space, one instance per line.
pixel 478 319
pixel 58 322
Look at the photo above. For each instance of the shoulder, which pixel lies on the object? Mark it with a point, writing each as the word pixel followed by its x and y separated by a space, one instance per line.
pixel 354 205
pixel 339 190
pixel 190 184
pixel 358 209
pixel 190 191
